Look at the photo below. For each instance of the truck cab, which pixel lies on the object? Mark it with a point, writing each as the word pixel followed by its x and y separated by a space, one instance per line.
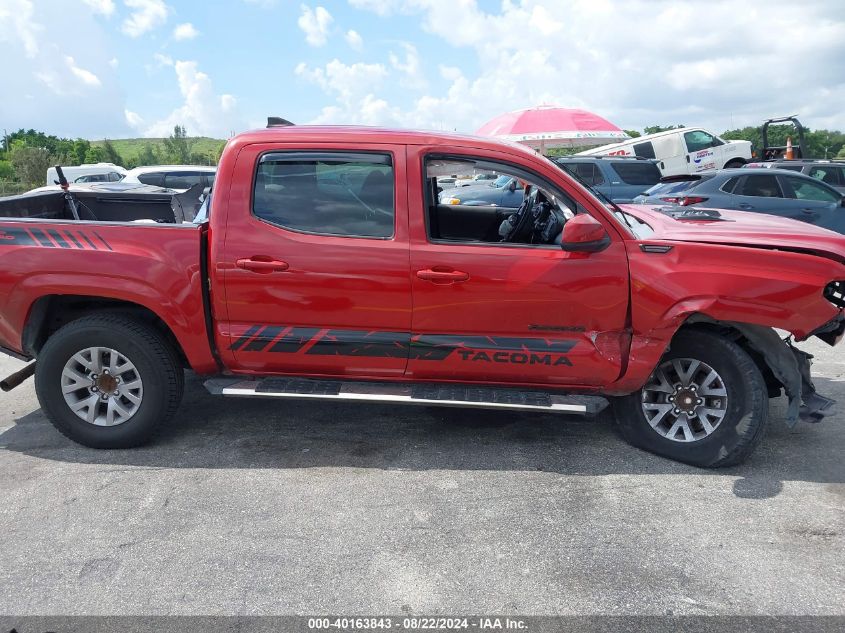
pixel 325 266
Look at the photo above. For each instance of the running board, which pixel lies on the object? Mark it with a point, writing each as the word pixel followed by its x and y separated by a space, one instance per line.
pixel 424 393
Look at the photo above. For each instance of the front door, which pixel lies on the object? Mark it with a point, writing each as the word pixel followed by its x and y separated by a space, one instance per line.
pixel 527 312
pixel 315 262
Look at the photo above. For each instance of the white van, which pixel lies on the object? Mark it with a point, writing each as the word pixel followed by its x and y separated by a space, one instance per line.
pixel 91 172
pixel 687 150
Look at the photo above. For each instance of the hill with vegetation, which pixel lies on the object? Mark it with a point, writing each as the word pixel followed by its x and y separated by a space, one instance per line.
pixel 206 149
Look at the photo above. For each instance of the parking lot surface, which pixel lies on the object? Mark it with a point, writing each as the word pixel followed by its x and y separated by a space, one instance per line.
pixel 259 507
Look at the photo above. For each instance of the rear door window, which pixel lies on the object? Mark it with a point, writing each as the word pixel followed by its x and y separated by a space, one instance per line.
pixel 589 173
pixel 829 174
pixel 759 187
pixel 805 189
pixel 636 172
pixel 644 150
pixel 155 178
pixel 327 193
pixel 183 179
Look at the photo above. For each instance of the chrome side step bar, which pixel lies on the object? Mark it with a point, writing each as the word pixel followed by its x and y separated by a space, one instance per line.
pixel 424 393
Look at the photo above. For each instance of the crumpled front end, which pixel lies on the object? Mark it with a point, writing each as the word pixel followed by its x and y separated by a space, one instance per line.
pixel 790 366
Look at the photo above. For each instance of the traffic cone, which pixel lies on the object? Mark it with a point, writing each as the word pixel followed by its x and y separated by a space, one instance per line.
pixel 789 153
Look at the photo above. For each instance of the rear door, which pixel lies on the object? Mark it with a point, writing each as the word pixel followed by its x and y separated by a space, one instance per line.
pixel 817 203
pixel 484 311
pixel 315 261
pixel 761 193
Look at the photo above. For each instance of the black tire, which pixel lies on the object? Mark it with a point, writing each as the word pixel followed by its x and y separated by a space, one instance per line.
pixel 745 420
pixel 736 163
pixel 154 357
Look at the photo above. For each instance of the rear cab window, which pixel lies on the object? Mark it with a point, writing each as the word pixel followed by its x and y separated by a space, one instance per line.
pixel 644 150
pixel 155 178
pixel 347 194
pixel 636 172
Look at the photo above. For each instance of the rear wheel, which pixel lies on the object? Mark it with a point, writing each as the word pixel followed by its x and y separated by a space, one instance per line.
pixel 705 404
pixel 731 164
pixel 108 381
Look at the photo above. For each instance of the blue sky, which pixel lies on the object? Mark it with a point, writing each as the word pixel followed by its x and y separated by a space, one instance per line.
pixel 118 68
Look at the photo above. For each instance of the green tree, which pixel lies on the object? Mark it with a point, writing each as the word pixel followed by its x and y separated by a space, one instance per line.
pixel 30 163
pixel 654 129
pixel 80 148
pixel 7 171
pixel 110 153
pixel 632 133
pixel 148 155
pixel 94 155
pixel 177 147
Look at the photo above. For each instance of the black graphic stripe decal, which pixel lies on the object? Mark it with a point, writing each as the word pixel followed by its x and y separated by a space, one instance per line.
pixel 49 238
pixel 278 339
pixel 43 238
pixel 57 238
pixel 264 338
pixel 102 239
pixel 294 340
pixel 246 336
pixel 73 239
pixel 352 343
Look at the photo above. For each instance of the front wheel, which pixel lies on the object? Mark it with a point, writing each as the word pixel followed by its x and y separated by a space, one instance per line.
pixel 705 404
pixel 108 381
pixel 733 164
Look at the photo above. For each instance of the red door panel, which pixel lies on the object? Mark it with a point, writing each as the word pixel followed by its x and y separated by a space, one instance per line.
pixel 313 304
pixel 514 314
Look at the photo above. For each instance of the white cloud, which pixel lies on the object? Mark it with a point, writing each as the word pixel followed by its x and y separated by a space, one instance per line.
pixel 146 16
pixel 719 70
pixel 354 40
pixel 18 24
pixel 203 112
pixel 185 31
pixel 85 76
pixel 133 119
pixel 410 68
pixel 103 7
pixel 113 62
pixel 315 23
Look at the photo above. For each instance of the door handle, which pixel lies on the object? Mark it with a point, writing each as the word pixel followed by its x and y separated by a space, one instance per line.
pixel 259 264
pixel 809 211
pixel 442 276
pixel 745 205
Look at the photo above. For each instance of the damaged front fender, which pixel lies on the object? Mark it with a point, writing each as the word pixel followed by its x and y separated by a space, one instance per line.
pixel 791 367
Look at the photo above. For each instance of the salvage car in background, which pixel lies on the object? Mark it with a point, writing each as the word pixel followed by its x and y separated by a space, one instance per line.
pixel 681 151
pixel 831 172
pixel 619 178
pixel 505 191
pixel 775 191
pixel 107 172
pixel 177 177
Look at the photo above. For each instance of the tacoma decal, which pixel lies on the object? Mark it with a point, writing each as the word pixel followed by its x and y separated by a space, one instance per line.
pixel 383 344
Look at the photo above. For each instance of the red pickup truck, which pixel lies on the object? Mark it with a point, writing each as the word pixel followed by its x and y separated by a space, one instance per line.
pixel 324 267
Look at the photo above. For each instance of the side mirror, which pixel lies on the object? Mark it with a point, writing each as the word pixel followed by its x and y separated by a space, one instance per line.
pixel 512 185
pixel 584 234
pixel 842 202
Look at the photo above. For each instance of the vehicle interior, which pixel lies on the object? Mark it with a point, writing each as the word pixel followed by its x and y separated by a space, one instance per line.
pixel 538 220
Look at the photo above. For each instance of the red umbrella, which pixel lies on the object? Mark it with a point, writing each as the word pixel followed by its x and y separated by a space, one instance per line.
pixel 549 126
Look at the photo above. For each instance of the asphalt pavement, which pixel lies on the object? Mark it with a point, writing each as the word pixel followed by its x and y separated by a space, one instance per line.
pixel 258 507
